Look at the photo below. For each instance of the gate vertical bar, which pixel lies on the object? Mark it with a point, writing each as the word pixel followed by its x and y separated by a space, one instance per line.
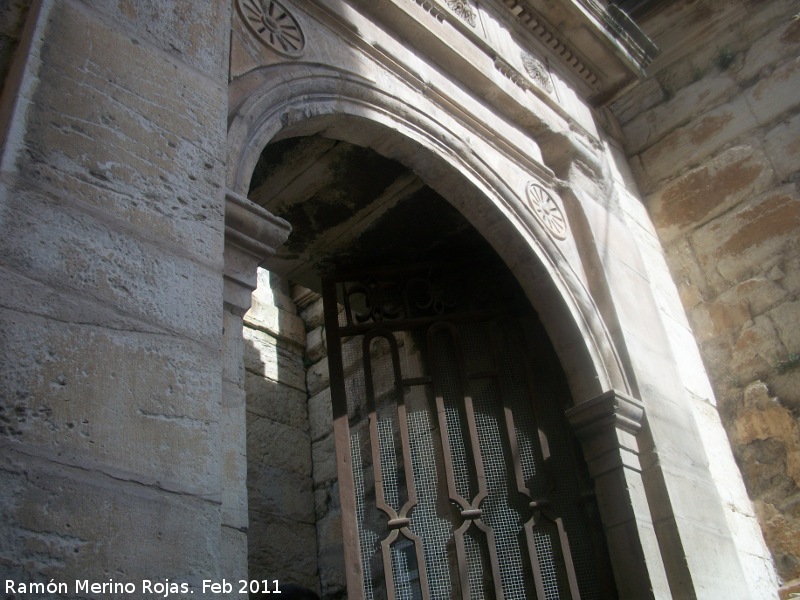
pixel 341 432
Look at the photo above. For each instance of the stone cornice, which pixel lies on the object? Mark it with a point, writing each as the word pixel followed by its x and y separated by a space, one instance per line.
pixel 600 45
pixel 252 227
pixel 611 410
pixel 252 234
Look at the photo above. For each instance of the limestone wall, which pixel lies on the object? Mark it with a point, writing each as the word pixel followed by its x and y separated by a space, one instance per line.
pixel 282 526
pixel 326 486
pixel 110 266
pixel 712 136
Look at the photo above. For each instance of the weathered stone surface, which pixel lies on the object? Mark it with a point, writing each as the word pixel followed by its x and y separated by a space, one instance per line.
pixel 709 190
pixel 276 401
pixel 316 348
pixel 687 273
pixel 788 326
pixel 280 493
pixel 331 555
pixel 317 377
pixel 12 19
pixel 276 445
pixel 233 459
pixel 96 407
pixel 273 311
pixel 754 350
pixel 233 350
pixel 776 94
pixel 710 320
pixel 280 290
pixel 320 414
pixel 99 136
pixel 324 456
pixel 273 359
pixel 326 499
pixel 53 513
pixel 313 315
pixel 290 554
pixel 267 317
pixel 113 187
pixel 749 240
pixel 759 294
pixel 778 45
pixel 93 256
pixel 782 147
pixel 233 552
pixel 187 29
pixel 764 435
pixel 680 109
pixel 643 97
pixel 688 145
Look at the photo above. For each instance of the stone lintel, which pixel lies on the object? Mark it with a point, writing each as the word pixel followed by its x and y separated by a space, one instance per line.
pixel 252 234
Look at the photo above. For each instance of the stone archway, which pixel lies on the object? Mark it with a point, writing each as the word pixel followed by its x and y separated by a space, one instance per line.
pixel 342 108
pixel 348 108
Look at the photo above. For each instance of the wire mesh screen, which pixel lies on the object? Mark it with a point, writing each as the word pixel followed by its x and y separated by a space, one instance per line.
pixel 431 519
pixel 465 479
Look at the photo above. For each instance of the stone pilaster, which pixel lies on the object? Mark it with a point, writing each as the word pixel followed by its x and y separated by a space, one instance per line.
pixel 607 426
pixel 251 235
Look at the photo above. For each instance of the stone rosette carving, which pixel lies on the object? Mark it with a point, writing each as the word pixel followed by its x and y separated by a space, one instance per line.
pixel 273 25
pixel 546 210
pixel 463 9
pixel 537 71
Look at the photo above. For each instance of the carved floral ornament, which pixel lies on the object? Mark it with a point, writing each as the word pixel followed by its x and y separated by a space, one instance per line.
pixel 463 9
pixel 273 25
pixel 537 71
pixel 546 210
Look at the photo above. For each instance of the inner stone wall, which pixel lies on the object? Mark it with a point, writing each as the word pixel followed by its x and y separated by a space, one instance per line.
pixel 295 530
pixel 712 136
pixel 282 531
pixel 326 488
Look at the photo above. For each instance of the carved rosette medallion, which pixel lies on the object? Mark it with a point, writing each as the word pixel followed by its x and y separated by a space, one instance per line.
pixel 537 72
pixel 463 10
pixel 273 25
pixel 546 210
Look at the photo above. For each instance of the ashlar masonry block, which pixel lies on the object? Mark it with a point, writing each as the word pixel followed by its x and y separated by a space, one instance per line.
pixel 54 515
pixel 97 407
pixel 135 134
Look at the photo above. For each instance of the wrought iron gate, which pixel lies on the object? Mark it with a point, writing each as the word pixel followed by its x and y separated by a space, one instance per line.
pixel 458 477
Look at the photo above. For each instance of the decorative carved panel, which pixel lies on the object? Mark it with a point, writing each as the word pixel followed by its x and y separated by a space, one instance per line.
pixel 546 210
pixel 463 9
pixel 537 72
pixel 273 25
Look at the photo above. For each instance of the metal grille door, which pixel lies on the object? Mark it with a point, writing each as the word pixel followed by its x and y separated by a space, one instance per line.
pixel 459 478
